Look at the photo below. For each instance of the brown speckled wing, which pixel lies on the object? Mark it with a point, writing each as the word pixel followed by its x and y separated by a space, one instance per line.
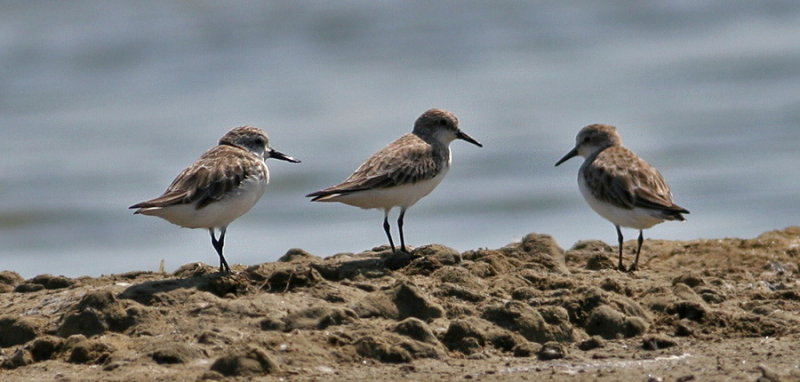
pixel 620 177
pixel 218 171
pixel 407 160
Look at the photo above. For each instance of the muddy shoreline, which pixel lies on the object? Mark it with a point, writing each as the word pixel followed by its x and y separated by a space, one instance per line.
pixel 721 309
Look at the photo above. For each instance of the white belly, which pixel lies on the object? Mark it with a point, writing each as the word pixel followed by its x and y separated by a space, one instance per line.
pixel 217 214
pixel 403 196
pixel 639 218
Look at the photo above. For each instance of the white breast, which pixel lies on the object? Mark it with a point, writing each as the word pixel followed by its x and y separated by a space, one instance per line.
pixel 639 218
pixel 217 214
pixel 385 198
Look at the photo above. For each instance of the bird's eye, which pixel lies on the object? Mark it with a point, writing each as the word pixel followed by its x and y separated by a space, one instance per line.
pixel 586 139
pixel 259 142
pixel 443 122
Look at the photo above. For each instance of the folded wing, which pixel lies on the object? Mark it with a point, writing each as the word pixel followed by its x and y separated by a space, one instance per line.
pixel 406 160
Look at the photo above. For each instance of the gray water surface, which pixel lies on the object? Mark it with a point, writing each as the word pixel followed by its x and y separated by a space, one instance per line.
pixel 103 103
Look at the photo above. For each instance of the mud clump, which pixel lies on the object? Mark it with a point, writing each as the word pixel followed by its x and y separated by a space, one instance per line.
pixel 656 342
pixel 85 351
pixel 298 255
pixel 249 361
pixel 416 329
pixel 427 259
pixel 319 317
pixel 609 323
pixel 527 307
pixel 46 347
pixel 18 330
pixel 530 323
pixel 464 337
pixel 95 314
pixel 592 343
pixel 381 349
pixel 174 353
pixel 281 277
pixel 398 302
pixel 8 280
pixel 42 282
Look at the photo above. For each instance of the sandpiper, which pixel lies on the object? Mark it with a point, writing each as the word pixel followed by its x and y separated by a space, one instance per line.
pixel 222 185
pixel 620 186
pixel 403 172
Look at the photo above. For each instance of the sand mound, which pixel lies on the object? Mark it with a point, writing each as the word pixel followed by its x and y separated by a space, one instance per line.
pixel 525 309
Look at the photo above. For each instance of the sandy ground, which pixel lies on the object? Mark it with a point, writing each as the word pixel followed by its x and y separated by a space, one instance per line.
pixel 723 309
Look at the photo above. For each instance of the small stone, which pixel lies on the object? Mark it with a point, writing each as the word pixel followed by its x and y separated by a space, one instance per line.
pixel 270 323
pixel 550 351
pixel 592 343
pixel 657 342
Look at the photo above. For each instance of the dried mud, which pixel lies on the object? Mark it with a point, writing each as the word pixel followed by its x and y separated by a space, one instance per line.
pixel 724 309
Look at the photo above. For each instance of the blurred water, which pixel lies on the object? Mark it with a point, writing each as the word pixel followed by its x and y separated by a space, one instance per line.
pixel 103 103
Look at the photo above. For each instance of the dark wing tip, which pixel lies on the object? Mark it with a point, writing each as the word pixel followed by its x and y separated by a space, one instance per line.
pixel 333 191
pixel 316 195
pixel 138 207
pixel 677 212
pixel 679 209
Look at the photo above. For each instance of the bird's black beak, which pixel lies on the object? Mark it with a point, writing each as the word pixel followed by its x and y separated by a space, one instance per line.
pixel 463 136
pixel 279 155
pixel 569 155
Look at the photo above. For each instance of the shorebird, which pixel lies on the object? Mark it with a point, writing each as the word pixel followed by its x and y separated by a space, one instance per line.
pixel 620 186
pixel 403 172
pixel 222 185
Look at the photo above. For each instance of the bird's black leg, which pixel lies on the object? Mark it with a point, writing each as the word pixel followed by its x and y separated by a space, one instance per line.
pixel 400 225
pixel 218 244
pixel 635 264
pixel 387 229
pixel 619 240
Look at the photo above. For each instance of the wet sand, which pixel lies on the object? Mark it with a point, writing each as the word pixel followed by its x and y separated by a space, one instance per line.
pixel 721 309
